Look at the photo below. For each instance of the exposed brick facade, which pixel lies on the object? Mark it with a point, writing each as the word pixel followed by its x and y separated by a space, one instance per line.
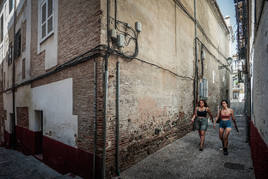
pixel 37 60
pixel 79 28
pixel 22 117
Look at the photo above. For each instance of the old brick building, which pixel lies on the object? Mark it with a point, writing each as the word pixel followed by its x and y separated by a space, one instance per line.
pixel 93 95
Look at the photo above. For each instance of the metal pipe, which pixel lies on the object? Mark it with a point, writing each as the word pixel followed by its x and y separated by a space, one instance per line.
pixel 13 81
pixel 104 121
pixel 115 14
pixel 196 61
pixel 105 90
pixel 95 119
pixel 117 117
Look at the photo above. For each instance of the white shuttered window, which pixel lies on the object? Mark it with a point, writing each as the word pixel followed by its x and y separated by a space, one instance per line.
pixel 47 19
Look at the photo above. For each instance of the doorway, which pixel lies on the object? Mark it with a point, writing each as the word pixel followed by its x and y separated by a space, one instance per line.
pixel 39 134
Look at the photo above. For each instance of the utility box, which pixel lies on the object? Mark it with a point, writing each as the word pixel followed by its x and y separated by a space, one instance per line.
pixel 138 26
pixel 120 40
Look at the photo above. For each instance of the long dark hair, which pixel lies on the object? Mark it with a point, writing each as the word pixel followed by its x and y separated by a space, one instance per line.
pixel 205 103
pixel 224 100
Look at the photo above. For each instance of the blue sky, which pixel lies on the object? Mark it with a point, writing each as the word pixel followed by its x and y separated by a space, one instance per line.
pixel 228 9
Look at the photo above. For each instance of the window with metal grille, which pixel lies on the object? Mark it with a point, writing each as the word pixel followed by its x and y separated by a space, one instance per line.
pixel 203 90
pixel 47 24
pixel 17 44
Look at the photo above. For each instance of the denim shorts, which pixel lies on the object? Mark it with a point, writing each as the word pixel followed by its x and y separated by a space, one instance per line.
pixel 225 124
pixel 201 123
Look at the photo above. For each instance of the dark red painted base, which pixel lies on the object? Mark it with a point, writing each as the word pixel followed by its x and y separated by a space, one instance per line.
pixel 259 153
pixel 61 157
pixel 28 142
pixel 66 159
pixel 7 138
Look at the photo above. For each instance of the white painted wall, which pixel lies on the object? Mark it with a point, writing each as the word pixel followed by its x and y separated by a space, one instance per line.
pixel 260 80
pixel 8 107
pixel 56 102
pixel 50 45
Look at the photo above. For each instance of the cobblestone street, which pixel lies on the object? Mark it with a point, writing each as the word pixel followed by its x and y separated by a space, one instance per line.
pixel 15 165
pixel 182 159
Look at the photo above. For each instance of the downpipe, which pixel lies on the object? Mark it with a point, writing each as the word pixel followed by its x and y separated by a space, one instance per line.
pixel 13 119
pixel 117 117
pixel 195 91
pixel 103 171
pixel 95 120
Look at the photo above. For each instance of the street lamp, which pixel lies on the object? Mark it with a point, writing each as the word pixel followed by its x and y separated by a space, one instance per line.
pixel 229 62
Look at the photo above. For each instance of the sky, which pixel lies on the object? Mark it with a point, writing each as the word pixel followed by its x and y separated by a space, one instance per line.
pixel 227 8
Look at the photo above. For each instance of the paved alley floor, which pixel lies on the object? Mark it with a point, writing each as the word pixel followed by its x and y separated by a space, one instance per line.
pixel 15 165
pixel 182 158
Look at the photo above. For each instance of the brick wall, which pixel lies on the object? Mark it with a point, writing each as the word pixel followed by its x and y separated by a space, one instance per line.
pixel 22 117
pixel 78 32
pixel 83 98
pixel 79 27
pixel 37 61
pixel 155 107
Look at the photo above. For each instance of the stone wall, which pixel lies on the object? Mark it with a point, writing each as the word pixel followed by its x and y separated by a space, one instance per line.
pixel 156 89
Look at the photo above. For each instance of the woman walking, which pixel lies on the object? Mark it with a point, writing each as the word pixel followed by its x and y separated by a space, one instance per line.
pixel 200 121
pixel 224 116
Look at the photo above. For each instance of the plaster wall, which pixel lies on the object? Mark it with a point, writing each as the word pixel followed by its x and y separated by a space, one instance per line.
pixel 260 80
pixel 155 104
pixel 56 102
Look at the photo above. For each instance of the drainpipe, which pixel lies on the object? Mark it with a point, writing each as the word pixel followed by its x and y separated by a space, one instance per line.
pixel 13 82
pixel 105 115
pixel 105 90
pixel 196 61
pixel 95 120
pixel 117 117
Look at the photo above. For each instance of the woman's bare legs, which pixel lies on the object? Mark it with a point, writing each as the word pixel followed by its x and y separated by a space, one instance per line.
pixel 221 132
pixel 225 137
pixel 202 139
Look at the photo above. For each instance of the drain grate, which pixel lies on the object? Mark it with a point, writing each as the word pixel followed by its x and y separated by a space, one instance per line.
pixel 234 166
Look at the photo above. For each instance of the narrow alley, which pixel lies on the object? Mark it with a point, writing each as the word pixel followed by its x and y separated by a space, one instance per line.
pixel 182 158
pixel 104 89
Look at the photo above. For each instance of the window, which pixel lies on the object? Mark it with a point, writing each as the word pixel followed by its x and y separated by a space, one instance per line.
pixel 11 4
pixel 203 90
pixel 46 19
pixel 1 29
pixel 17 44
pixel 9 53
